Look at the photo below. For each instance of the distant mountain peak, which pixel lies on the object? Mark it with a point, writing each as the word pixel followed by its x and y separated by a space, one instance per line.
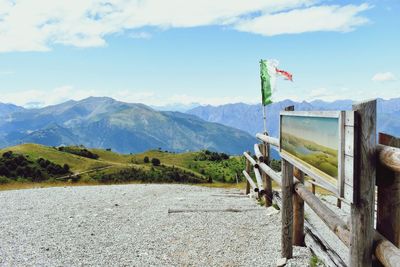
pixel 104 122
pixel 249 118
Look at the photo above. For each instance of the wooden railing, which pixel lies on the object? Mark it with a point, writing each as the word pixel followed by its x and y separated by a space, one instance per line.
pixel 297 231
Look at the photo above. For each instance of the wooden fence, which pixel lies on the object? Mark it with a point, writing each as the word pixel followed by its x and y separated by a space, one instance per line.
pixel 376 165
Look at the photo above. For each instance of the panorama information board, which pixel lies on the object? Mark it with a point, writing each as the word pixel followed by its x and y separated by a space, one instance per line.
pixel 312 141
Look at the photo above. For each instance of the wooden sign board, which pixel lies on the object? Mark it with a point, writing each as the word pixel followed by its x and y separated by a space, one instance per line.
pixel 315 143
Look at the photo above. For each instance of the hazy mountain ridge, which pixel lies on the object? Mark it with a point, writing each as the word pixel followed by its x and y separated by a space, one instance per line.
pixel 124 127
pixel 249 117
pixel 7 109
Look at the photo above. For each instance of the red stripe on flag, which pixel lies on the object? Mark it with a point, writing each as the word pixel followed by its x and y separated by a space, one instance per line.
pixel 287 75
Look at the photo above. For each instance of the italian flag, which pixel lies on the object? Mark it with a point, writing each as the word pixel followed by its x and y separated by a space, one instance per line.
pixel 268 73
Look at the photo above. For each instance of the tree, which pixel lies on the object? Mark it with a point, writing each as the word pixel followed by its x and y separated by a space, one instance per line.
pixel 4 171
pixel 7 154
pixel 146 159
pixel 66 167
pixel 155 162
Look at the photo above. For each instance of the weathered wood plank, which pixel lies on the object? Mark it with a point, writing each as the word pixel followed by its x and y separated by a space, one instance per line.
pixel 314 113
pixel 363 206
pixel 298 213
pixel 348 170
pixel 337 225
pixel 316 242
pixel 388 208
pixel 348 192
pixel 324 252
pixel 349 118
pixel 349 141
pixel 287 210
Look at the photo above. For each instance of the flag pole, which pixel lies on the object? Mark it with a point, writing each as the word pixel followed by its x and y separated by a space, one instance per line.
pixel 265 118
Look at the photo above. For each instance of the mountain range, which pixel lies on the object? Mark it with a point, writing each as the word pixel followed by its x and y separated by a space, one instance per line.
pixel 249 118
pixel 103 122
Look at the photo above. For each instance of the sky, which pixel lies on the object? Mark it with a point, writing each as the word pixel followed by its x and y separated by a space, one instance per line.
pixel 178 52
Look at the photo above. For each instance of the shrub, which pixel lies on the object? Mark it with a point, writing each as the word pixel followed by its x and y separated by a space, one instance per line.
pixel 4 180
pixel 80 151
pixel 146 159
pixel 66 167
pixel 155 162
pixel 211 156
pixel 15 166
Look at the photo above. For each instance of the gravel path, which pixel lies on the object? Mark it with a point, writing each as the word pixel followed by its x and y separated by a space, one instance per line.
pixel 129 225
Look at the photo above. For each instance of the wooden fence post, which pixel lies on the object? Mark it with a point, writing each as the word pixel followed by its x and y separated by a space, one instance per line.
pixel 265 149
pixel 388 182
pixel 298 207
pixel 248 170
pixel 363 206
pixel 298 213
pixel 313 187
pixel 339 203
pixel 287 210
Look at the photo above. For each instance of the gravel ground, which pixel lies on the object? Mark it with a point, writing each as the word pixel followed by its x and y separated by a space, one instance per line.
pixel 129 225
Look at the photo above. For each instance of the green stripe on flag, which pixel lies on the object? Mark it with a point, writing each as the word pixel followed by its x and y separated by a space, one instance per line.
pixel 266 91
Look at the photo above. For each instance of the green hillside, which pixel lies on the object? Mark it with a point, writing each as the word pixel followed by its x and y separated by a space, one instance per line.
pixel 76 163
pixel 106 166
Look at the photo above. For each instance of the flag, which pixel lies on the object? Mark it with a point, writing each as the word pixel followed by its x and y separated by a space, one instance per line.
pixel 268 74
pixel 268 78
pixel 284 74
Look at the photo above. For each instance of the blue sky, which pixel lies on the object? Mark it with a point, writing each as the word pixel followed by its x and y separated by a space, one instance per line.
pixel 162 52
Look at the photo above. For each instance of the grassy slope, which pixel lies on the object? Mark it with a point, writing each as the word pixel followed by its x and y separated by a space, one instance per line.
pixel 226 169
pixel 77 163
pixel 184 161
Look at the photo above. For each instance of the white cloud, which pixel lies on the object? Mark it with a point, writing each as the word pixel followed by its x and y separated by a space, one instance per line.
pixel 384 77
pixel 38 25
pixel 140 35
pixel 311 19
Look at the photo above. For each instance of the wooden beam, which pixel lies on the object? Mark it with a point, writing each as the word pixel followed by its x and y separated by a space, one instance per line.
pixel 250 159
pixel 316 242
pixel 388 202
pixel 248 169
pixel 287 210
pixel 298 213
pixel 265 149
pixel 268 139
pixel 363 206
pixel 250 181
pixel 337 225
pixel 314 184
pixel 322 249
pixel 387 253
pixel 389 157
pixel 258 153
pixel 259 180
pixel 271 173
